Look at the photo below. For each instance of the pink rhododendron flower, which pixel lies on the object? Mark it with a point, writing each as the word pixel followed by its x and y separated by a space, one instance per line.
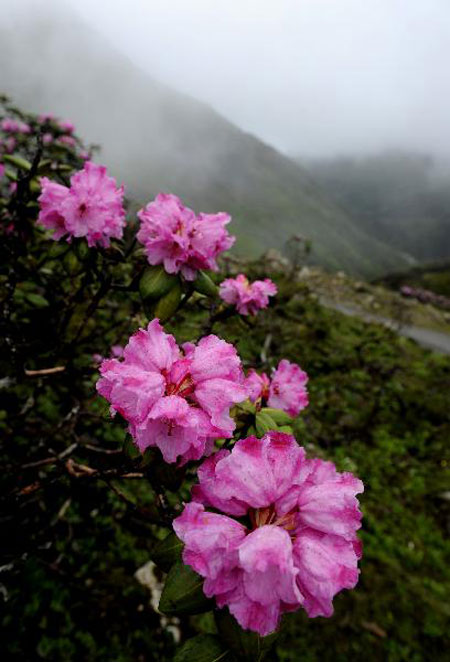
pixel 247 297
pixel 286 389
pixel 91 207
pixel 67 126
pixel 176 399
pixel 173 235
pixel 10 125
pixel 45 117
pixel 295 543
pixel 2 170
pixel 47 138
pixel 67 140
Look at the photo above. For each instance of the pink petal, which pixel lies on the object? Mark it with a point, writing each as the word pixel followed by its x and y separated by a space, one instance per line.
pixel 211 543
pixel 327 564
pixel 328 502
pixel 269 572
pixel 152 349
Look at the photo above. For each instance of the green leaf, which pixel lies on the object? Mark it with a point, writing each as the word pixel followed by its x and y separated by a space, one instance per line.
pixel 130 448
pixel 245 645
pixel 203 648
pixel 70 262
pixel 17 161
pixel 166 552
pixel 11 175
pixel 264 423
pixel 183 593
pixel 44 165
pixel 35 186
pixel 36 300
pixel 155 282
pixel 169 303
pixel 247 406
pixel 278 415
pixel 205 285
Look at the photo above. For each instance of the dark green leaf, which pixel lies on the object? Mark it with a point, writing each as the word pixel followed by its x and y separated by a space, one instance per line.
pixel 246 646
pixel 167 552
pixel 169 303
pixel 183 593
pixel 155 283
pixel 205 285
pixel 203 648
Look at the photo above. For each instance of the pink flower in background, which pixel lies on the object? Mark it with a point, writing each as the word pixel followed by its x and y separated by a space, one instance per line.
pixel 47 138
pixel 10 125
pixel 67 126
pixel 67 140
pixel 116 352
pixel 177 400
pixel 288 388
pixel 13 187
pixel 285 390
pixel 45 117
pixel 247 297
pixel 92 207
pixel 174 236
pixel 258 386
pixel 84 154
pixel 295 543
pixel 2 170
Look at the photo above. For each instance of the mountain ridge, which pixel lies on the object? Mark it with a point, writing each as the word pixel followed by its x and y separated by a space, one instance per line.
pixel 154 138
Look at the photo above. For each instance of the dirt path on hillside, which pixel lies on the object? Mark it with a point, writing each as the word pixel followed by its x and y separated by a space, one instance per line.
pixel 439 342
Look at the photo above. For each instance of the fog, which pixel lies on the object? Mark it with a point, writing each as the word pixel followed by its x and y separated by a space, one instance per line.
pixel 311 77
pixel 197 96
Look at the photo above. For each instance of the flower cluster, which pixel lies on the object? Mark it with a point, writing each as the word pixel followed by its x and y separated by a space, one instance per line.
pixel 177 400
pixel 296 547
pixel 91 207
pixel 173 235
pixel 285 390
pixel 9 125
pixel 425 296
pixel 247 297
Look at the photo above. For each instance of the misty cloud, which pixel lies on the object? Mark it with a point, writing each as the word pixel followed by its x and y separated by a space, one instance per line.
pixel 311 77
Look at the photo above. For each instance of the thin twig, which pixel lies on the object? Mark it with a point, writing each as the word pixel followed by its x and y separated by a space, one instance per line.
pixel 45 371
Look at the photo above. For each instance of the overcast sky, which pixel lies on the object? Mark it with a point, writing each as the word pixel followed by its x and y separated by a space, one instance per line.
pixel 314 77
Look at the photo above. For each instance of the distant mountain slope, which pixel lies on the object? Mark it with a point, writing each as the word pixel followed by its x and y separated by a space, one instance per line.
pixel 156 139
pixel 397 197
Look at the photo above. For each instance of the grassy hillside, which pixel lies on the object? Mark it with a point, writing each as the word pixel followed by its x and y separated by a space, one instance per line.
pixel 378 407
pixel 156 139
